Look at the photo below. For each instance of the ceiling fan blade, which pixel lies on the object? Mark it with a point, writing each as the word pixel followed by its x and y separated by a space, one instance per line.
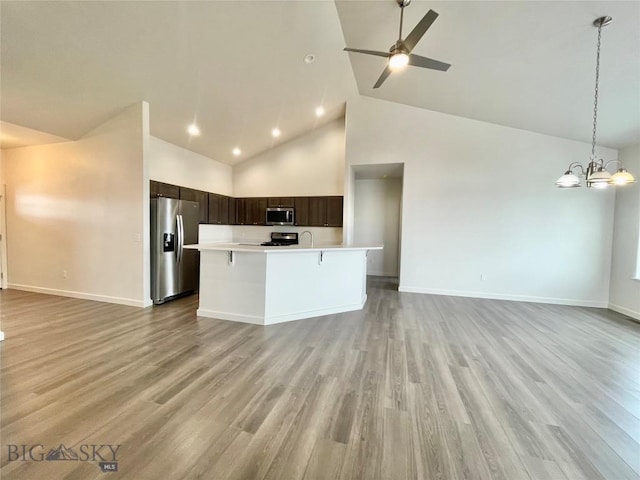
pixel 383 77
pixel 367 52
pixel 425 62
pixel 419 30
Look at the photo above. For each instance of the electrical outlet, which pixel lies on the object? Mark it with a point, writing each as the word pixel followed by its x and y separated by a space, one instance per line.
pixel 64 274
pixel 483 277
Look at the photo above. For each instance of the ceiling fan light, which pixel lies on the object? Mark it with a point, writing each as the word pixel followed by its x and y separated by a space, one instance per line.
pixel 398 61
pixel 568 180
pixel 622 177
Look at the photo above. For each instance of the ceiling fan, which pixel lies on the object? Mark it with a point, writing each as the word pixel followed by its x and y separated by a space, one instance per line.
pixel 400 55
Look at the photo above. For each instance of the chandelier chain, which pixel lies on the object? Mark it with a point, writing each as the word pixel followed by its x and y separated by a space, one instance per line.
pixel 595 101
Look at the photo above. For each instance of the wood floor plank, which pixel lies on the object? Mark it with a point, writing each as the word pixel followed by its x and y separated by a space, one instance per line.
pixel 325 461
pixel 411 387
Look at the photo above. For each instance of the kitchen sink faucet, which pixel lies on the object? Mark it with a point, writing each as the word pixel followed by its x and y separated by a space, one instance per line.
pixel 310 236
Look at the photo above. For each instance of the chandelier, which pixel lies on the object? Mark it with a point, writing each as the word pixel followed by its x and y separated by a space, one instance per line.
pixel 595 174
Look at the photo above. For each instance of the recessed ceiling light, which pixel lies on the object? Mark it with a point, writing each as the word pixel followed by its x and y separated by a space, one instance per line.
pixel 319 111
pixel 275 132
pixel 309 58
pixel 236 151
pixel 193 130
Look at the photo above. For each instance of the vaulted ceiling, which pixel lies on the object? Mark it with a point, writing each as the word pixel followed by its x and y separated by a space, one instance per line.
pixel 237 69
pixel 528 65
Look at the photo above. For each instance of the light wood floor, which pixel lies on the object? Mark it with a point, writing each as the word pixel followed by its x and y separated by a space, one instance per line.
pixel 415 386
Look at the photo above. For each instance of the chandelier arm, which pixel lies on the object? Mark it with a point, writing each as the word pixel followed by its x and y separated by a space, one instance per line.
pixel 612 161
pixel 576 165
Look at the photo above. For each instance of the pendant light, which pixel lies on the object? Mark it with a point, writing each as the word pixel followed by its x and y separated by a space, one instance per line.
pixel 596 174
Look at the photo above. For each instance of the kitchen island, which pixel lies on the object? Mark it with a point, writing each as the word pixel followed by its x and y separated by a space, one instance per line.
pixel 266 285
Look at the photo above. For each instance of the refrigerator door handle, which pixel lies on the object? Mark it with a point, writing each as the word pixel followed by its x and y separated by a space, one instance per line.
pixel 180 238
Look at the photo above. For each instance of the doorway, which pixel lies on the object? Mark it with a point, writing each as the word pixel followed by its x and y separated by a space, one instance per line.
pixel 377 214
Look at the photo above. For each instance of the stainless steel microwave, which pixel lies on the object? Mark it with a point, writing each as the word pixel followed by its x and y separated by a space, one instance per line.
pixel 280 216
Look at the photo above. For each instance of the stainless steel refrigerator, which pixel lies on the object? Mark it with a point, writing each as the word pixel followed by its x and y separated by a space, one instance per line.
pixel 174 270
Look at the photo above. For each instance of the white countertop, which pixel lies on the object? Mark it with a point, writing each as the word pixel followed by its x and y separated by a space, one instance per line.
pixel 240 247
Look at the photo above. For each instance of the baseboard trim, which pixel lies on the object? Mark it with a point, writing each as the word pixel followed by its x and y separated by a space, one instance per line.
pixel 383 274
pixel 514 298
pixel 274 319
pixel 81 295
pixel 314 313
pixel 625 311
pixel 234 317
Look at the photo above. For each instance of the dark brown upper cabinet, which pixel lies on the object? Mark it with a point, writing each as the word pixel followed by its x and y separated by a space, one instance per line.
pixel 232 218
pixel 255 213
pixel 281 201
pixel 222 210
pixel 241 211
pixel 301 212
pixel 218 209
pixel 159 189
pixel 197 196
pixel 334 211
pixel 317 211
pixel 325 211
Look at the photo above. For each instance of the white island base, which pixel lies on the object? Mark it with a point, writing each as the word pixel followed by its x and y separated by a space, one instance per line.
pixel 267 285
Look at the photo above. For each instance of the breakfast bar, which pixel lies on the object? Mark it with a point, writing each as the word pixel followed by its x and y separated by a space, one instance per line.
pixel 270 284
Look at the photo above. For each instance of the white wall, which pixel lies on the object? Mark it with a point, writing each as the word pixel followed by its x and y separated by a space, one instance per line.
pixel 170 163
pixel 310 165
pixel 146 206
pixel 3 234
pixel 479 200
pixel 3 250
pixel 624 295
pixel 377 205
pixel 79 207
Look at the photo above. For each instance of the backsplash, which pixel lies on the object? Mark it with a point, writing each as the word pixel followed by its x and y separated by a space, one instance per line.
pixel 259 234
